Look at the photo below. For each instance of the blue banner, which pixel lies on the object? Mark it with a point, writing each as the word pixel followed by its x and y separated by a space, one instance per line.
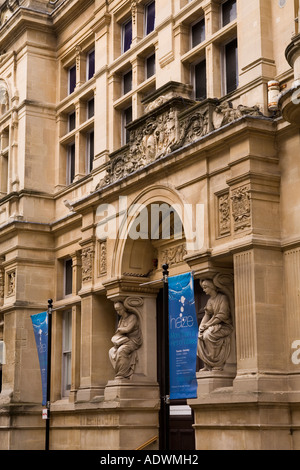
pixel 40 328
pixel 183 337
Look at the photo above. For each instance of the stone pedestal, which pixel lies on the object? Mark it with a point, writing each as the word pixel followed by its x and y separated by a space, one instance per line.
pixel 212 380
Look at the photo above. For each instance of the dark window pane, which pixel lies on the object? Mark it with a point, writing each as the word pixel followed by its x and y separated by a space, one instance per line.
pixel 90 108
pixel 127 82
pixel 71 163
pixel 231 66
pixel 72 121
pixel 72 79
pixel 150 66
pixel 228 12
pixel 198 33
pixel 150 17
pixel 127 118
pixel 91 150
pixel 91 65
pixel 127 35
pixel 200 80
pixel 68 277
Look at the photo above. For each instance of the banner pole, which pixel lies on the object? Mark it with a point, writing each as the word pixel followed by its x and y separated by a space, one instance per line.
pixel 47 437
pixel 165 386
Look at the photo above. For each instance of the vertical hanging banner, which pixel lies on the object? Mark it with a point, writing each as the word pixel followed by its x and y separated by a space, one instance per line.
pixel 183 337
pixel 40 328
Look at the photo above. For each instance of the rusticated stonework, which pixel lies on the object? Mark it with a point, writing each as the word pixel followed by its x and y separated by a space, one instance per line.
pixel 169 124
pixel 241 207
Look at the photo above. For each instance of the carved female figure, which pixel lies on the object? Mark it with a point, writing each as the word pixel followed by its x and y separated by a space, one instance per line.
pixel 215 329
pixel 126 341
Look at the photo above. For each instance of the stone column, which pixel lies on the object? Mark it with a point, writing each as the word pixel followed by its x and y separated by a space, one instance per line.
pixel 260 330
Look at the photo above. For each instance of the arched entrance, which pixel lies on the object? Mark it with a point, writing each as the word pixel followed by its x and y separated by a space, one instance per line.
pixel 155 235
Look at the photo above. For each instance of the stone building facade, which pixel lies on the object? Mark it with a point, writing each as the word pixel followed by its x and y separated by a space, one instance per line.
pixel 108 110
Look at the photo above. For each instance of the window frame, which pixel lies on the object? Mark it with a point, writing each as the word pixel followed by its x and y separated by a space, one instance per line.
pixel 222 13
pixel 194 65
pixel 202 18
pixel 73 67
pixel 123 31
pixel 146 15
pixel 146 66
pixel 127 72
pixel 66 369
pixel 89 160
pixel 224 67
pixel 88 77
pixel 124 134
pixel 70 160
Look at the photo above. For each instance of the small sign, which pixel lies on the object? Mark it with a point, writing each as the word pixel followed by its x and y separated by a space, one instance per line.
pixel 45 413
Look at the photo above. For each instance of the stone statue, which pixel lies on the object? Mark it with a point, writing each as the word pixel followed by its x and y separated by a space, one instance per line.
pixel 126 341
pixel 215 329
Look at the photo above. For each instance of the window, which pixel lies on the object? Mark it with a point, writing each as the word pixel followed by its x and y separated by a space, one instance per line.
pixel 149 17
pixel 200 80
pixel 90 108
pixel 70 163
pixel 90 151
pixel 126 119
pixel 127 82
pixel 228 12
pixel 72 79
pixel 198 32
pixel 68 276
pixel 231 66
pixel 126 35
pixel 150 66
pixel 71 121
pixel 66 352
pixel 90 65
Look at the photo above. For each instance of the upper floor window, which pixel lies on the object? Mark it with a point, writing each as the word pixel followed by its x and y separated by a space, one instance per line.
pixel 149 17
pixel 90 65
pixel 198 32
pixel 200 80
pixel 150 66
pixel 126 35
pixel 71 121
pixel 127 82
pixel 70 164
pixel 90 151
pixel 90 108
pixel 231 66
pixel 68 276
pixel 126 119
pixel 71 79
pixel 228 12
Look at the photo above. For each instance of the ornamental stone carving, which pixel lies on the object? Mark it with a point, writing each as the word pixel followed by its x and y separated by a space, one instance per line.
pixel 173 255
pixel 87 264
pixel 224 215
pixel 241 207
pixel 127 338
pixel 169 124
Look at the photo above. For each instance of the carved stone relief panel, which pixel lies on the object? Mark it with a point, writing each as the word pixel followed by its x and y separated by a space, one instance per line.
pixel 102 257
pixel 87 264
pixel 169 124
pixel 11 283
pixel 173 255
pixel 241 207
pixel 223 214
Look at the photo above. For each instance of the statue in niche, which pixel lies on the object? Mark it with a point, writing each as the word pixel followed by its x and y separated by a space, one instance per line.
pixel 215 329
pixel 126 341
